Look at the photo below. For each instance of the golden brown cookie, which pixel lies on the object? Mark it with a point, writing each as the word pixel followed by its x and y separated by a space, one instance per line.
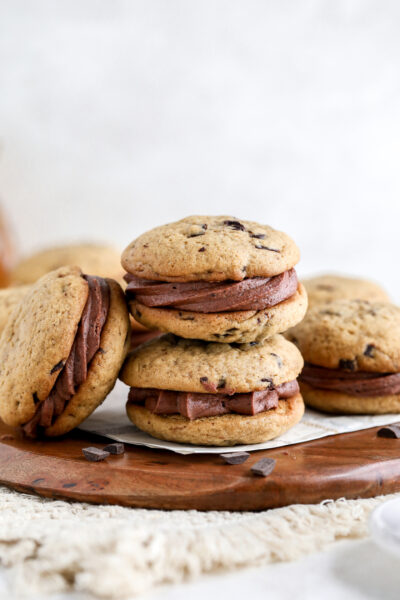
pixel 210 248
pixel 68 328
pixel 341 403
pixel 240 326
pixel 96 259
pixel 359 333
pixel 225 430
pixel 171 363
pixel 220 394
pixel 329 288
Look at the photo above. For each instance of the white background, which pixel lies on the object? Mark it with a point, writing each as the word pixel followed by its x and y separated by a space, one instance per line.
pixel 116 116
pixel 119 115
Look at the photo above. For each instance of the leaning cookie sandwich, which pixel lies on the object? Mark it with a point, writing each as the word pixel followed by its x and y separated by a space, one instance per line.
pixel 61 351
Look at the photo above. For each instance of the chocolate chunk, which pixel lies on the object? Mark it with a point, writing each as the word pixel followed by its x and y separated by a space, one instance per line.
pixel 202 249
pixel 347 364
pixel 235 225
pixel 264 467
pixel 260 247
pixel 267 380
pixel 57 367
pixel 221 383
pixel 203 379
pixel 390 431
pixel 369 350
pixel 94 454
pixel 278 359
pixel 235 458
pixel 115 448
pixel 258 236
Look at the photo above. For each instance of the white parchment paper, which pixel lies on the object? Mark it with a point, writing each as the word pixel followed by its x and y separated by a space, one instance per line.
pixel 111 421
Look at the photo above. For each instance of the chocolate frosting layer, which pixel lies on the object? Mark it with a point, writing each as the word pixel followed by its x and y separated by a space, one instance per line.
pixel 74 372
pixel 195 405
pixel 255 293
pixel 359 383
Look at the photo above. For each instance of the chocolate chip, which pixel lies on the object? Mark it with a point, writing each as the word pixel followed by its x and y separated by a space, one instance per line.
pixel 203 379
pixel 347 364
pixel 57 367
pixel 35 399
pixel 264 467
pixel 232 330
pixel 253 343
pixel 221 383
pixel 330 313
pixel 94 454
pixel 267 380
pixel 258 236
pixel 202 249
pixel 145 245
pixel 138 313
pixel 390 431
pixel 260 247
pixel 235 225
pixel 235 458
pixel 369 350
pixel 278 360
pixel 115 448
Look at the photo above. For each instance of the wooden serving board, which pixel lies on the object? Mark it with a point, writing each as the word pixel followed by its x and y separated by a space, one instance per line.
pixel 351 465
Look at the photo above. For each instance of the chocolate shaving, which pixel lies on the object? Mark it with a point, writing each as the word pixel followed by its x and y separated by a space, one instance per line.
pixel 264 467
pixel 115 448
pixel 235 458
pixel 390 431
pixel 93 454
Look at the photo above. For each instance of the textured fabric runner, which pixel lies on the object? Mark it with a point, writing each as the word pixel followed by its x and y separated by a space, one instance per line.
pixel 115 552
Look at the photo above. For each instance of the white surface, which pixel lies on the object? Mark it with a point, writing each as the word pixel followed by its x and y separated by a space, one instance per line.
pixel 350 570
pixel 385 526
pixel 116 116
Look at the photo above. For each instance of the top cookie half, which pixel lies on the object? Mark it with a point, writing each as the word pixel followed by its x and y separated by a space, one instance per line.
pixel 210 248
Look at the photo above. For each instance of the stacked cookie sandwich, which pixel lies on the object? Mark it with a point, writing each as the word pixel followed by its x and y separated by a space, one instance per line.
pixel 224 290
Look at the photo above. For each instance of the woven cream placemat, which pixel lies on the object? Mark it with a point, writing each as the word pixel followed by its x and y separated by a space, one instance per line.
pixel 115 552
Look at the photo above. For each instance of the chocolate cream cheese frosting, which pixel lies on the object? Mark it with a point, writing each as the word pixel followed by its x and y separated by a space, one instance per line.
pixel 196 405
pixel 74 371
pixel 359 383
pixel 254 293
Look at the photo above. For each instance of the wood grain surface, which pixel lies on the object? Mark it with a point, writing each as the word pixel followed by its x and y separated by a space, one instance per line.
pixel 352 465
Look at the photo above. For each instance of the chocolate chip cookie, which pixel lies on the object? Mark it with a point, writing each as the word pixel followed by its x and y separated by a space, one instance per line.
pixel 203 393
pixel 98 259
pixel 327 288
pixel 352 357
pixel 61 351
pixel 215 279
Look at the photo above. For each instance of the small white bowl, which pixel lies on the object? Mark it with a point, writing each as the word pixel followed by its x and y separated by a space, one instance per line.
pixel 384 525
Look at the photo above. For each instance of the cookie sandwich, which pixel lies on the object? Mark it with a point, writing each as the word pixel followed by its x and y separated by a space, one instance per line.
pixel 195 392
pixel 61 351
pixel 351 351
pixel 328 288
pixel 215 279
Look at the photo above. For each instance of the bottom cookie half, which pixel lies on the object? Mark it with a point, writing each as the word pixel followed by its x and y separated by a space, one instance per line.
pixel 338 402
pixel 224 430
